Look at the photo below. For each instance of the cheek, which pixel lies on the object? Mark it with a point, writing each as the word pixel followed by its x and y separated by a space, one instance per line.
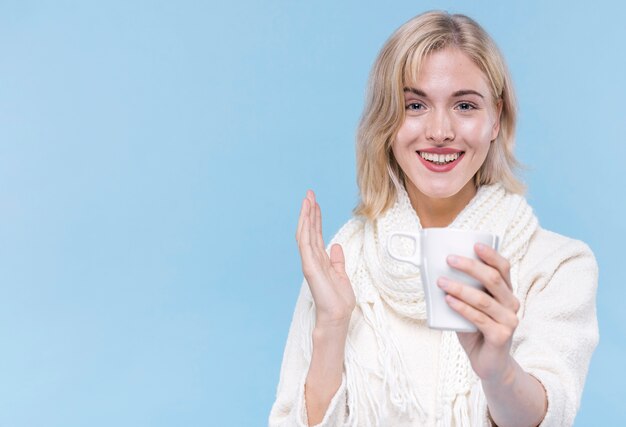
pixel 409 131
pixel 478 133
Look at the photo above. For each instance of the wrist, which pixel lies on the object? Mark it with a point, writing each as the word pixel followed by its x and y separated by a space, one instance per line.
pixel 332 324
pixel 506 377
pixel 330 331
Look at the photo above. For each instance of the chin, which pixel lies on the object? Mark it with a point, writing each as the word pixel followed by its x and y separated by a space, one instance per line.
pixel 440 194
pixel 443 191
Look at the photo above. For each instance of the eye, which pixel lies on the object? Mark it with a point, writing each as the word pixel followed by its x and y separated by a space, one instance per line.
pixel 466 106
pixel 415 106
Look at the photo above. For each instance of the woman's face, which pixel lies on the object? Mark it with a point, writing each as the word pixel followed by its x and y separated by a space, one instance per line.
pixel 449 124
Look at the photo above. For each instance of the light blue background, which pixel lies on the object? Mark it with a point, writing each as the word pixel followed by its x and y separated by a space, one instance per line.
pixel 153 157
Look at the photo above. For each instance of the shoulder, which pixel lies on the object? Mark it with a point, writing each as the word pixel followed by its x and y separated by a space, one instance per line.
pixel 550 253
pixel 349 232
pixel 548 245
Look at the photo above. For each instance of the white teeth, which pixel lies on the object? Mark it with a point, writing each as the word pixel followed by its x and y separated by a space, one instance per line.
pixel 439 158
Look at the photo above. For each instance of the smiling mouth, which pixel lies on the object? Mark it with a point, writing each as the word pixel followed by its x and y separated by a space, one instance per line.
pixel 440 159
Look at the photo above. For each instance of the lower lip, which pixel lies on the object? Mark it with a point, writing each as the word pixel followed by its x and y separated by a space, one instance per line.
pixel 440 168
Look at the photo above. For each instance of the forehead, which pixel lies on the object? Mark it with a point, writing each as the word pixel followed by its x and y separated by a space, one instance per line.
pixel 446 71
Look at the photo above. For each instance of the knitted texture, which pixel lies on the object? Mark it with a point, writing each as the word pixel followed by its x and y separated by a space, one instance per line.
pixel 379 279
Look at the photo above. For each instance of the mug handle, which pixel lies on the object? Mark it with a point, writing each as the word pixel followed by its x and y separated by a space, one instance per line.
pixel 414 258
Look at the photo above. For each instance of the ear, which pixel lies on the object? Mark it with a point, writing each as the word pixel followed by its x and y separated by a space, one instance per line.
pixel 496 125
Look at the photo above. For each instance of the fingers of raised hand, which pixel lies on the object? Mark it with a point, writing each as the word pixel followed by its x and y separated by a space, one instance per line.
pixel 309 235
pixel 303 215
pixel 477 306
pixel 315 230
pixel 496 282
pixel 308 215
pixel 319 239
pixel 311 215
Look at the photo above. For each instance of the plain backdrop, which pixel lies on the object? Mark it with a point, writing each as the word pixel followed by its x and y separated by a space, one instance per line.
pixel 153 158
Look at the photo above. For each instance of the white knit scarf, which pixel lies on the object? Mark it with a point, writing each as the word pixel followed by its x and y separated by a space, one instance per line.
pixel 378 279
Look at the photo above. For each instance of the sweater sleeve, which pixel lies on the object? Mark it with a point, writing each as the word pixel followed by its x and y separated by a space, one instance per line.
pixel 289 408
pixel 558 329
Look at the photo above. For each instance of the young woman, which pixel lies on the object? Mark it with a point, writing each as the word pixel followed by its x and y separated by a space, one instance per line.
pixel 435 149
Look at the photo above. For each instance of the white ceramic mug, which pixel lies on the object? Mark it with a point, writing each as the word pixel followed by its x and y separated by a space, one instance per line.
pixel 431 247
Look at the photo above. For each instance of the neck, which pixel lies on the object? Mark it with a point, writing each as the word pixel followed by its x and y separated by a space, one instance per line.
pixel 440 212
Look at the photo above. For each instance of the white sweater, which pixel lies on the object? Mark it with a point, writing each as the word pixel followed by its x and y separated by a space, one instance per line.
pixel 554 341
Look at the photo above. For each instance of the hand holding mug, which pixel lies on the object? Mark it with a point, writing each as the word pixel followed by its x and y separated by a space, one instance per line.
pixel 493 311
pixel 431 247
pixel 467 286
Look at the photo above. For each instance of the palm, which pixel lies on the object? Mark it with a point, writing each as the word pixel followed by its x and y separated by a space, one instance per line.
pixel 326 275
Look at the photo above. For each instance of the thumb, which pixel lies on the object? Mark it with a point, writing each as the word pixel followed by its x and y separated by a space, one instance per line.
pixel 337 259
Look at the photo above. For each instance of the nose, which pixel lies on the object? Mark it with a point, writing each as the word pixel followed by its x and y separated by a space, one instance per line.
pixel 439 127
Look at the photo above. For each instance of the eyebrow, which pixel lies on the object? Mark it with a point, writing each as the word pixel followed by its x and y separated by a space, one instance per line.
pixel 458 93
pixel 416 91
pixel 467 92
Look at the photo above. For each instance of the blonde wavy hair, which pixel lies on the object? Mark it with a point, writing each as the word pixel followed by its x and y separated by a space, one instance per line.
pixel 378 173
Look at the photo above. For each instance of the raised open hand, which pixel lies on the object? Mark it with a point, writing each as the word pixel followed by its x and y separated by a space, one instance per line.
pixel 326 276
